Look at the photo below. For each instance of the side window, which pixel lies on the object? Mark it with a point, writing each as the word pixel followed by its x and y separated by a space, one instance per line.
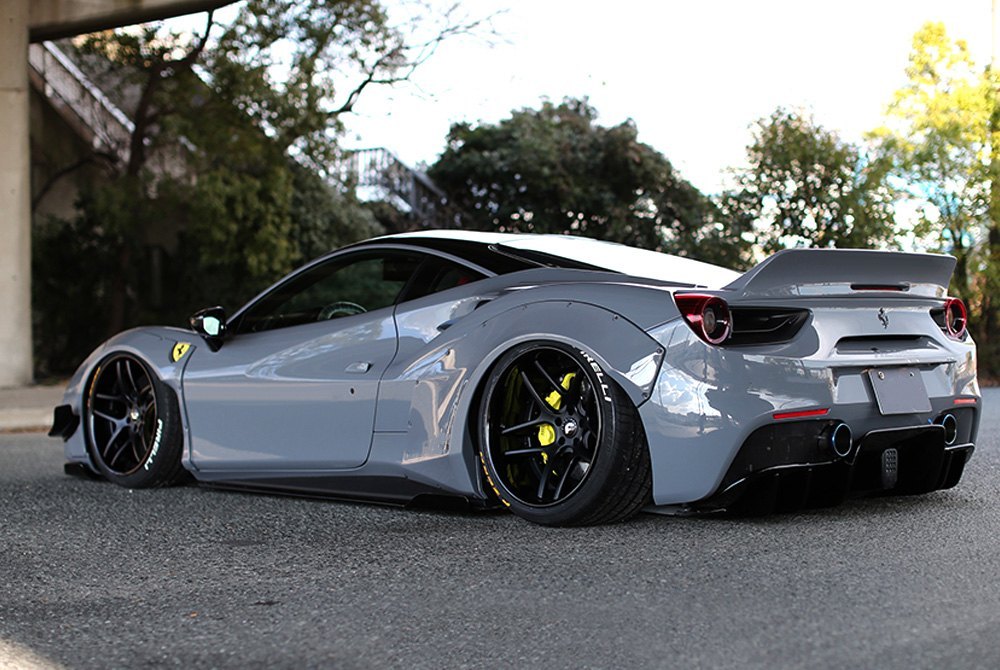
pixel 356 284
pixel 438 274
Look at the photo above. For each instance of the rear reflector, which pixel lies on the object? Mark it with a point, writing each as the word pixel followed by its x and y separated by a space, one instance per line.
pixel 965 401
pixel 798 414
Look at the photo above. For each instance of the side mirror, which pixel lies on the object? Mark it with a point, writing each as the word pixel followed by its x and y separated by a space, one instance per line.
pixel 210 323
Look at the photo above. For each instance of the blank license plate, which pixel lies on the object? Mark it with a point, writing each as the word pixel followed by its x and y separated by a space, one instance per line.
pixel 899 390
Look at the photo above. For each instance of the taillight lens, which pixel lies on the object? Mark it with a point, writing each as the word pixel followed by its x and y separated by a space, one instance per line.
pixel 708 316
pixel 956 318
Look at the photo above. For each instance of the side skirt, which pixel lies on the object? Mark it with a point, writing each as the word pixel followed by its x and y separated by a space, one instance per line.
pixel 391 491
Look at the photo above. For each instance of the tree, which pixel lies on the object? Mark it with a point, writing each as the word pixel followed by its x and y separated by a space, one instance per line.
pixel 805 186
pixel 940 139
pixel 556 170
pixel 295 67
pixel 226 167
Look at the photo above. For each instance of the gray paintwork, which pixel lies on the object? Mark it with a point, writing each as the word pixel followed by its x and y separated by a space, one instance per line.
pixel 292 404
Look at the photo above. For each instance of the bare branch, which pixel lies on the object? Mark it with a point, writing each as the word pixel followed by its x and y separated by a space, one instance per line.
pixel 95 157
pixel 410 57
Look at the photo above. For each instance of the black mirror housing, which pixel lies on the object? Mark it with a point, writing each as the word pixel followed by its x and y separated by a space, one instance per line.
pixel 210 323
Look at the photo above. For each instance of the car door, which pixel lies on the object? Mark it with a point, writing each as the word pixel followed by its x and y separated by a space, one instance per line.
pixel 294 386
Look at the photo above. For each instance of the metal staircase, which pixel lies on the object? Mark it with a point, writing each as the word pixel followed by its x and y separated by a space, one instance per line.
pixel 78 101
pixel 379 174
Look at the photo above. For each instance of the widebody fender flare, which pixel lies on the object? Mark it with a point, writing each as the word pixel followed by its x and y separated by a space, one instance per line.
pixel 155 346
pixel 617 347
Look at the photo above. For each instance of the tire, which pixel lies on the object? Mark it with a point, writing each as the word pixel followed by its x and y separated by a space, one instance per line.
pixel 132 424
pixel 560 443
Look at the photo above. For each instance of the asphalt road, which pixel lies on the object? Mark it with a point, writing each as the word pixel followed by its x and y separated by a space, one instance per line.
pixel 92 575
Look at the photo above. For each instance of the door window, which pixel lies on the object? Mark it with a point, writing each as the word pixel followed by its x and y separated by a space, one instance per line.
pixel 345 286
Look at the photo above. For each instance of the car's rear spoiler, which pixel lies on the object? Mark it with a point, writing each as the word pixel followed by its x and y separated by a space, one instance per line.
pixel 795 272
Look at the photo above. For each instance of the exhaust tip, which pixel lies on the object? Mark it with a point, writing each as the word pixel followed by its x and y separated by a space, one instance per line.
pixel 840 439
pixel 950 425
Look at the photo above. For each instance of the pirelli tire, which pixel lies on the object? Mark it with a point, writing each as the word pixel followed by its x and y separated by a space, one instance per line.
pixel 560 443
pixel 132 424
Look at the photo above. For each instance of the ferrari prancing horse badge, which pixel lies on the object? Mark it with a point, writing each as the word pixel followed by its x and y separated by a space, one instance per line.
pixel 178 351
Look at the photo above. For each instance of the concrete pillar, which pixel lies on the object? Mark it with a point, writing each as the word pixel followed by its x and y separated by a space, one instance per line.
pixel 15 200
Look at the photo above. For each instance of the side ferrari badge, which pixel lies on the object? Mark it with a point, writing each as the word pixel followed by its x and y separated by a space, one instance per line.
pixel 178 351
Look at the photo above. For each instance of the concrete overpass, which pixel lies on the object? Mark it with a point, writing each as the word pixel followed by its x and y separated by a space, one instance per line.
pixel 22 21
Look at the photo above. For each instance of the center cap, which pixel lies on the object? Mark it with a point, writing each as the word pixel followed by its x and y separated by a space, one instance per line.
pixel 133 415
pixel 570 427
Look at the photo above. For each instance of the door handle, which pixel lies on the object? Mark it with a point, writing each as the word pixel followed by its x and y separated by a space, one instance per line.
pixel 360 367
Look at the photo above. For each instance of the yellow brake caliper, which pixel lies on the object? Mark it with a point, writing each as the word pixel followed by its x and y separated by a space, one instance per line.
pixel 547 432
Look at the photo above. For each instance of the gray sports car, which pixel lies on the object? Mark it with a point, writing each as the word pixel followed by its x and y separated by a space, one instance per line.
pixel 570 380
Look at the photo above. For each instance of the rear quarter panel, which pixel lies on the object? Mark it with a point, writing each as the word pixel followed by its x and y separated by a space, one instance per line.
pixel 429 400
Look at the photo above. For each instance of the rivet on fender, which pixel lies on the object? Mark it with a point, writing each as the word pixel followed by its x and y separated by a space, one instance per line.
pixel 179 350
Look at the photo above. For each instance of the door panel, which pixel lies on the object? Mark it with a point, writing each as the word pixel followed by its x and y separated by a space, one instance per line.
pixel 294 386
pixel 289 399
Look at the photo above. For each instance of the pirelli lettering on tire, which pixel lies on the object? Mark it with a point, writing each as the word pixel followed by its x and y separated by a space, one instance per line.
pixel 489 480
pixel 156 444
pixel 600 375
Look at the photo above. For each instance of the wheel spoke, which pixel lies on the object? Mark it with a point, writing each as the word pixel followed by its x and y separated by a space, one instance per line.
pixel 565 476
pixel 522 452
pixel 513 430
pixel 113 419
pixel 552 382
pixel 108 397
pixel 543 482
pixel 534 394
pixel 131 378
pixel 119 427
pixel 121 450
pixel 120 379
pixel 135 451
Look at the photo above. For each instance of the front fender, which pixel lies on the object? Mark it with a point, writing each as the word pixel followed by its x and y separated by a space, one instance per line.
pixel 152 345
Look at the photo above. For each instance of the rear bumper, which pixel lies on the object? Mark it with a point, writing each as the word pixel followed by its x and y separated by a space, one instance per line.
pixel 785 467
pixel 708 402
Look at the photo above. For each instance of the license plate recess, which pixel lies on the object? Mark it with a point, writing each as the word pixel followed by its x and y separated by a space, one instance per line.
pixel 899 390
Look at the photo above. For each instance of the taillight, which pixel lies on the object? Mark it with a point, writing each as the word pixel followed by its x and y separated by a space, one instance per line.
pixel 956 318
pixel 708 316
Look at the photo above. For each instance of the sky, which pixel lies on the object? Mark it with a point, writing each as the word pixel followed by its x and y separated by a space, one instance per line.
pixel 692 75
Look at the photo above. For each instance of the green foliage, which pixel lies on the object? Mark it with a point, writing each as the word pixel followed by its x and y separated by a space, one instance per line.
pixel 805 186
pixel 240 226
pixel 940 137
pixel 225 172
pixel 294 67
pixel 72 288
pixel 326 216
pixel 556 170
pixel 65 329
pixel 937 138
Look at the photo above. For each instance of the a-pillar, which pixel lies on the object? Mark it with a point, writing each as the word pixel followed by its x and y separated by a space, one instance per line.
pixel 15 203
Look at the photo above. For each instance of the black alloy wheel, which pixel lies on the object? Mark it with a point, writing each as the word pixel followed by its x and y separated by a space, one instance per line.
pixel 554 433
pixel 131 424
